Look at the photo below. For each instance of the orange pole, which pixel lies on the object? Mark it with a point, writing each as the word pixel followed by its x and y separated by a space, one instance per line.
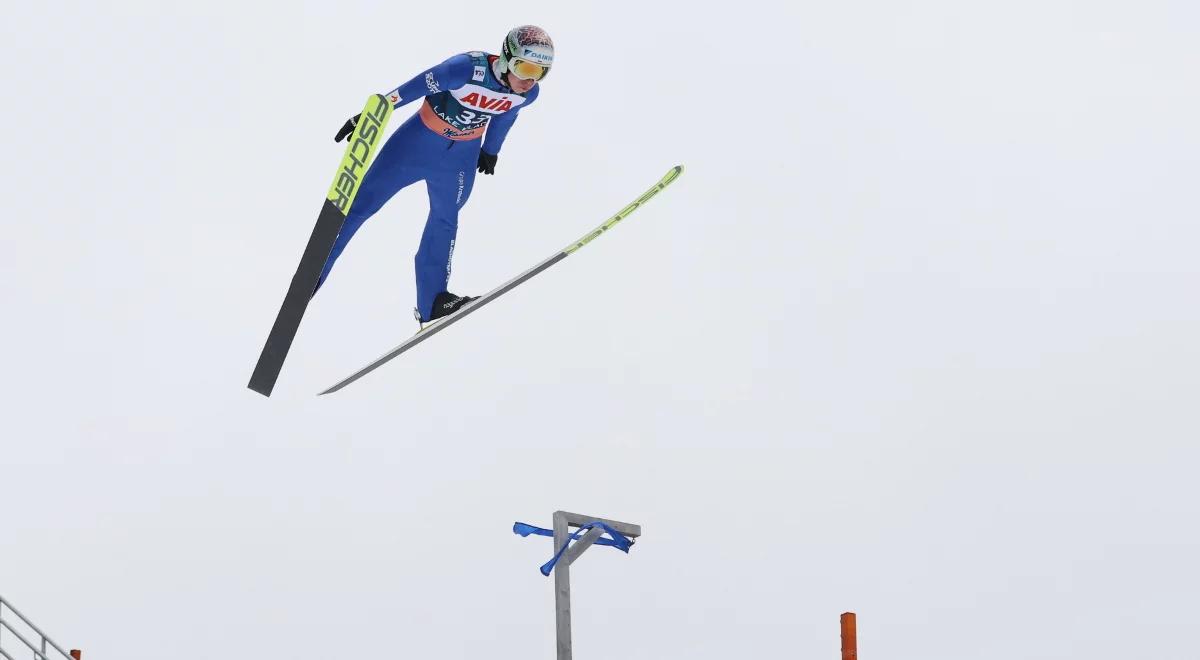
pixel 849 637
pixel 76 653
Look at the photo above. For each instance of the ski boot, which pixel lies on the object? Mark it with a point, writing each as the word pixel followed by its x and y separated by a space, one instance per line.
pixel 444 304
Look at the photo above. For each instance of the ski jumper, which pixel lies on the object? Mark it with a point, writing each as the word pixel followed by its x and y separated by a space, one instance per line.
pixel 465 108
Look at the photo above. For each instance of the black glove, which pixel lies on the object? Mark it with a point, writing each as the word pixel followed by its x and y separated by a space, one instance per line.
pixel 347 128
pixel 487 162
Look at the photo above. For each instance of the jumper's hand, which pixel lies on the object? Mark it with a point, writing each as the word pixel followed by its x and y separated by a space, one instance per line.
pixel 347 128
pixel 487 162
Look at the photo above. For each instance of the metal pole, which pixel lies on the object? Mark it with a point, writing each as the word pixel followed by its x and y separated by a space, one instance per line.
pixel 563 522
pixel 562 590
pixel 849 636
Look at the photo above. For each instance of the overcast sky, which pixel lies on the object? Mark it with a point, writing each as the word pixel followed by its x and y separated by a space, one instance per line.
pixel 914 335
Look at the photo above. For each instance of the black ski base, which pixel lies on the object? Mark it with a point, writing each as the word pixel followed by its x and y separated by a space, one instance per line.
pixel 320 244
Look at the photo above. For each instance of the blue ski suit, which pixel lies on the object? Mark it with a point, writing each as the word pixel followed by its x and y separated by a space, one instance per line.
pixel 439 144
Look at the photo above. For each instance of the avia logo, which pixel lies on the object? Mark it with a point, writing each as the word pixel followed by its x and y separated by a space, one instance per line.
pixel 476 100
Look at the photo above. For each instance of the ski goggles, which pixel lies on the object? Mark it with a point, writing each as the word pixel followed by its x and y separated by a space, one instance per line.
pixel 526 70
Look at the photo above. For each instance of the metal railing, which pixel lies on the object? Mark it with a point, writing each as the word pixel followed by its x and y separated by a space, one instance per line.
pixel 40 650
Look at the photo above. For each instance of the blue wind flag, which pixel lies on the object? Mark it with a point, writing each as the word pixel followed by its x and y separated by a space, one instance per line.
pixel 617 540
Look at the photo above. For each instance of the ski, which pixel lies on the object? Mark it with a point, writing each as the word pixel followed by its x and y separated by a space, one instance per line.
pixel 441 324
pixel 359 150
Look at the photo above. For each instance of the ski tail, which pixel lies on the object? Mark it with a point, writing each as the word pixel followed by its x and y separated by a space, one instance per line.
pixel 360 149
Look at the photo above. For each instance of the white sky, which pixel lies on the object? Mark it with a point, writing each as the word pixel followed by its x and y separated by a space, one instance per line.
pixel 914 335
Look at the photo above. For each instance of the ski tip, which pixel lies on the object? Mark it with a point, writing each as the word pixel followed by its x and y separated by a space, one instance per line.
pixel 671 175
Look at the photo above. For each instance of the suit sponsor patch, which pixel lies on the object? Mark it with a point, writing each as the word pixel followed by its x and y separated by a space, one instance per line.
pixel 477 97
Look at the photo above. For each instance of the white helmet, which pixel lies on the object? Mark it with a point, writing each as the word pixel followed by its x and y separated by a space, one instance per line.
pixel 527 52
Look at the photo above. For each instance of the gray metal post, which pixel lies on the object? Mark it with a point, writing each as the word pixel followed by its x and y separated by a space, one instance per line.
pixel 562 590
pixel 563 522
